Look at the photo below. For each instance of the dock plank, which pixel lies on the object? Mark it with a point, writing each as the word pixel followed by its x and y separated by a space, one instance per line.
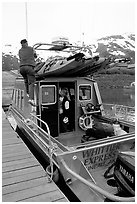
pixel 23 178
pixel 19 166
pixel 10 141
pixel 15 156
pixel 21 172
pixel 53 196
pixel 22 185
pixel 13 148
pixel 34 194
pixel 19 163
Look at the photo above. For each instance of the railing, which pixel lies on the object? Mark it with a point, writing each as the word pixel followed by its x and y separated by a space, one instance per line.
pixel 51 146
pixel 120 112
pixel 48 130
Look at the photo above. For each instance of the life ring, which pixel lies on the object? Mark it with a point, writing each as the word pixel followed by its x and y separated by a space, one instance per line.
pixel 85 122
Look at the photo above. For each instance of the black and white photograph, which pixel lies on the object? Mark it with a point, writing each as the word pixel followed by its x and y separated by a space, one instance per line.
pixel 68 101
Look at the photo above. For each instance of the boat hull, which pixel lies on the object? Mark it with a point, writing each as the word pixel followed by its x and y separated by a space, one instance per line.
pixel 86 160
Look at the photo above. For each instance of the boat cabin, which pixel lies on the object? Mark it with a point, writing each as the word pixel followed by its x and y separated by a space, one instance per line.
pixel 69 104
pixel 65 104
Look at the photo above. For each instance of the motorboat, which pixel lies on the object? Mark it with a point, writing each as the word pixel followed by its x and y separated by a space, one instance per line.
pixel 94 154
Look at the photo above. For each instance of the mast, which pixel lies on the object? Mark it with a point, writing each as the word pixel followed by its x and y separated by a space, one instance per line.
pixel 26 17
pixel 83 39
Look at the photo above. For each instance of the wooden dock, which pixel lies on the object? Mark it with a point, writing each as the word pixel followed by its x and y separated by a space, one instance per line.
pixel 23 178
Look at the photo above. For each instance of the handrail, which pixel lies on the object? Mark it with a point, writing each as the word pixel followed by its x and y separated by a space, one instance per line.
pixel 40 139
pixel 120 112
pixel 112 104
pixel 103 142
pixel 48 130
pixel 50 143
pixel 95 187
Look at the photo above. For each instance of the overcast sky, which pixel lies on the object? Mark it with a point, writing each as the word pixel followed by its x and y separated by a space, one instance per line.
pixel 70 18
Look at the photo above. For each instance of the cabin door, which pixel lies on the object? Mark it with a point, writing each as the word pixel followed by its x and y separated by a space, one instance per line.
pixel 66 107
pixel 49 107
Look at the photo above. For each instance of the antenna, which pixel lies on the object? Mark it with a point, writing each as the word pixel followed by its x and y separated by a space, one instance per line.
pixel 26 15
pixel 83 39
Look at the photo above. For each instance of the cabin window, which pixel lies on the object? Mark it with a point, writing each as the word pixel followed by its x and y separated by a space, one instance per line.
pixel 19 98
pixel 13 93
pixel 48 94
pixel 22 100
pixel 16 97
pixel 84 92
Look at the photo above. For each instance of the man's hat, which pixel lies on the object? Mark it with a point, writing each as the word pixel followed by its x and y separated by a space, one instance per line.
pixel 23 41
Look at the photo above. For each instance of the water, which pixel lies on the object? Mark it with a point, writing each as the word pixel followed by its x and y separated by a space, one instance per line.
pixel 118 96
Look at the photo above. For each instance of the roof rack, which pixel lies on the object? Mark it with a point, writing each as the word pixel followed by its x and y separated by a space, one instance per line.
pixel 60 47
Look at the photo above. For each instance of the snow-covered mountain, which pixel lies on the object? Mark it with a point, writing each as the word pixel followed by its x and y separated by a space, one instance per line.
pixel 115 46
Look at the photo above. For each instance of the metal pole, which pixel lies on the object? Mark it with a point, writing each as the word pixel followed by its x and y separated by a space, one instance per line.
pixel 83 39
pixel 26 15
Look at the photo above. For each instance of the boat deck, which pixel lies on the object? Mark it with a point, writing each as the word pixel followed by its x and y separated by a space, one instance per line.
pixel 23 178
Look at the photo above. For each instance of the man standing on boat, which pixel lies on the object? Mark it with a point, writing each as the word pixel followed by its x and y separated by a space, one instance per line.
pixel 27 57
